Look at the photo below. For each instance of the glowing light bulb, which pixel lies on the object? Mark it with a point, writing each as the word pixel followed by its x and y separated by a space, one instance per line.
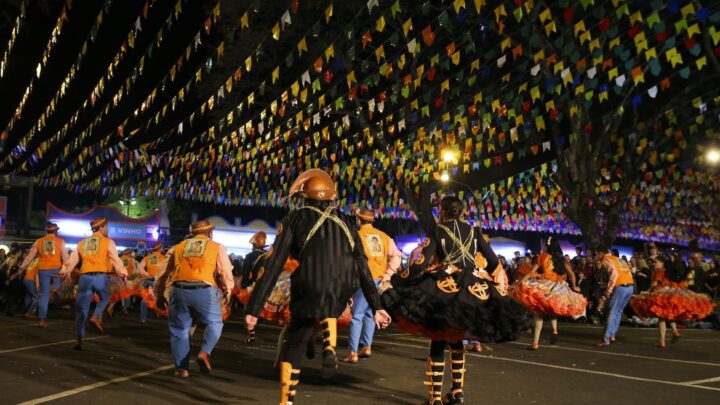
pixel 713 156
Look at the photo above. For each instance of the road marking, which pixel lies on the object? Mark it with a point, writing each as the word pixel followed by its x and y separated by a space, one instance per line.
pixel 637 356
pixel 575 369
pixel 49 344
pixel 705 381
pixel 96 385
pixel 27 325
pixel 684 339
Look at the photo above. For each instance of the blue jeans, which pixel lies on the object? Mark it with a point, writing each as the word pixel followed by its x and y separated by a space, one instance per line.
pixel 206 304
pixel 46 280
pixel 143 306
pixel 362 326
pixel 618 301
pixel 31 298
pixel 88 286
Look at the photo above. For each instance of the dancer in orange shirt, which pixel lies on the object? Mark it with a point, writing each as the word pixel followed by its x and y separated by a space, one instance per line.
pixel 97 256
pixel 149 267
pixel 51 253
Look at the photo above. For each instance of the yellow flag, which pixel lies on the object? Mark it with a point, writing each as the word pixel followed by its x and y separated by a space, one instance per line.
pixel 328 13
pixel 701 62
pixel 550 28
pixel 276 74
pixel 407 26
pixel 379 53
pixel 380 24
pixel 244 23
pixel 456 58
pixel 276 31
pixel 302 46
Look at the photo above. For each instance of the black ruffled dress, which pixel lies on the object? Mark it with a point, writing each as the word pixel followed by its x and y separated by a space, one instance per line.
pixel 447 291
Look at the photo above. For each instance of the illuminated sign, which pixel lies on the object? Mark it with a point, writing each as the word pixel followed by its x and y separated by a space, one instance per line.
pixel 3 212
pixel 81 229
pixel 120 226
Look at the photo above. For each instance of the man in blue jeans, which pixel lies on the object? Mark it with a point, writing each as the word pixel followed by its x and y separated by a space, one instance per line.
pixel 98 257
pixel 51 253
pixel 384 259
pixel 619 291
pixel 199 276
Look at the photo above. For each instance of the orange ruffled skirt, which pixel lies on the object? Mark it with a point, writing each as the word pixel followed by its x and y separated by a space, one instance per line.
pixel 149 299
pixel 672 303
pixel 547 297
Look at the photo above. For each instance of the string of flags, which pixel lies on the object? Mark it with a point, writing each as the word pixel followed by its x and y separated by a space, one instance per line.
pixel 376 107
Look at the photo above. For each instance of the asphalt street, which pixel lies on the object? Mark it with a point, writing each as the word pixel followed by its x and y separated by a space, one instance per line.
pixel 131 363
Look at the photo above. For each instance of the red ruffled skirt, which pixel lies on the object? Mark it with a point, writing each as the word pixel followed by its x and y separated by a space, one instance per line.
pixel 448 334
pixel 242 294
pixel 672 303
pixel 547 297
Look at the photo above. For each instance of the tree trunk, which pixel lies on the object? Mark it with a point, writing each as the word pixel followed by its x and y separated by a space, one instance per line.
pixel 596 237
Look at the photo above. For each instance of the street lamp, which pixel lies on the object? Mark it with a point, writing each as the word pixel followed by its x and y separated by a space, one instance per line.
pixel 127 202
pixel 713 156
pixel 445 177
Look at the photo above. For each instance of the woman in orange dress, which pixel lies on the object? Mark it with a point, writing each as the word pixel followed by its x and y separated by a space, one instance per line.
pixel 544 291
pixel 669 299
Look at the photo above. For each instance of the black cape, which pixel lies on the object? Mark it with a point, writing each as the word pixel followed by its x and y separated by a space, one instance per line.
pixel 330 269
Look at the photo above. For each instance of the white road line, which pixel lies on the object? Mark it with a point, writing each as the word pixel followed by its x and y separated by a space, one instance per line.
pixel 27 325
pixel 705 381
pixel 684 339
pixel 575 369
pixel 96 385
pixel 49 344
pixel 636 356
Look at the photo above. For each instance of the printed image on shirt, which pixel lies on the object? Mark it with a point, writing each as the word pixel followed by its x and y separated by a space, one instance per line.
pixel 375 245
pixel 195 247
pixel 48 246
pixel 91 245
pixel 153 260
pixel 126 262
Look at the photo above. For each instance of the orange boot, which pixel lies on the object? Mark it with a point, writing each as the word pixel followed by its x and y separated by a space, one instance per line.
pixel 289 379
